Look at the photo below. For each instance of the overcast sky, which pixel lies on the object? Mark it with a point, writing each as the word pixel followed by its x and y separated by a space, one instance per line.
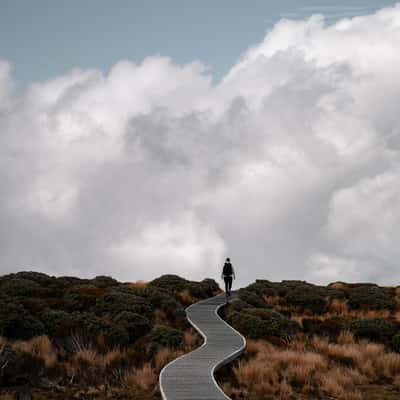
pixel 138 140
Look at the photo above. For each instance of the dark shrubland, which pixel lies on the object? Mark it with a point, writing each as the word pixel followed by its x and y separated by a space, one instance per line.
pixel 93 338
pixel 305 341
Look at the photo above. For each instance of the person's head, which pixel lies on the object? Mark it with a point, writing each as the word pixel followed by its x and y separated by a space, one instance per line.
pixel 227 260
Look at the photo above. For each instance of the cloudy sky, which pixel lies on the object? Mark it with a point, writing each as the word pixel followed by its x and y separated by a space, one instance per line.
pixel 139 140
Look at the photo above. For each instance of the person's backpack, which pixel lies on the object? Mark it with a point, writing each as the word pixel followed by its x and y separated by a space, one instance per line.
pixel 227 269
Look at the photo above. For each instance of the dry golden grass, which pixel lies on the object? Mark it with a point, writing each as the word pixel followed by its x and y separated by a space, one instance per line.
pixel 144 378
pixel 164 356
pixel 186 298
pixel 313 367
pixel 6 396
pixel 138 284
pixel 338 383
pixel 338 285
pixel 191 339
pixel 346 337
pixel 298 319
pixel 396 381
pixel 90 359
pixel 273 300
pixel 160 317
pixel 338 307
pixel 39 346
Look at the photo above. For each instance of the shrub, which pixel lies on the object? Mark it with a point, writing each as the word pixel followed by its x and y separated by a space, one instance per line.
pixel 38 277
pixel 15 287
pixel 17 323
pixel 263 288
pixel 22 368
pixel 203 289
pixel 89 326
pixel 396 342
pixel 57 322
pixel 34 305
pixel 330 327
pixel 104 281
pixel 75 301
pixel 284 287
pixel 135 324
pixel 370 297
pixel 172 283
pixel 166 303
pixel 376 329
pixel 256 328
pixel 114 302
pixel 306 298
pixel 166 336
pixel 67 281
pixel 251 298
pixel 263 313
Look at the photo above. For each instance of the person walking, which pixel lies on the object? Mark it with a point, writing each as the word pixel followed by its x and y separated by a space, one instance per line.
pixel 227 274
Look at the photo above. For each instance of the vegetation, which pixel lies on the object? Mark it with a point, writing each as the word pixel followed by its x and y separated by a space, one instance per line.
pixel 92 338
pixel 305 341
pixel 98 338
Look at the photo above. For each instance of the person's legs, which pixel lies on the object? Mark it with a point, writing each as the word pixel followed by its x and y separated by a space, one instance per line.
pixel 229 285
pixel 226 279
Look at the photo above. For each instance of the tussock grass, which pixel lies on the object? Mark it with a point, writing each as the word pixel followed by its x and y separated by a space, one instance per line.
pixel 144 378
pixel 138 284
pixel 39 346
pixel 160 317
pixel 164 356
pixel 312 367
pixel 186 298
pixel 192 339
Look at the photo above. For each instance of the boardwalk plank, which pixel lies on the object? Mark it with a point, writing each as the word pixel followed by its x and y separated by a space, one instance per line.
pixel 191 376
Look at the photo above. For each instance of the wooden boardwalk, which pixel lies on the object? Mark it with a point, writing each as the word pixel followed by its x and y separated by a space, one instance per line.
pixel 191 376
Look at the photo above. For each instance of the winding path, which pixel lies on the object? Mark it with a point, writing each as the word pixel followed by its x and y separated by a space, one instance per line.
pixel 191 376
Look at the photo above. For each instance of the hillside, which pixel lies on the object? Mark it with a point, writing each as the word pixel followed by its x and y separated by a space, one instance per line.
pixel 304 342
pixel 71 338
pixel 66 337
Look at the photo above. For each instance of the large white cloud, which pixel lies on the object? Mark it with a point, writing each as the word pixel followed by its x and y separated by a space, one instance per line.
pixel 290 165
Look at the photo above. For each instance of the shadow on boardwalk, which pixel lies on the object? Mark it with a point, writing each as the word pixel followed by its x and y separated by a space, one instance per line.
pixel 191 376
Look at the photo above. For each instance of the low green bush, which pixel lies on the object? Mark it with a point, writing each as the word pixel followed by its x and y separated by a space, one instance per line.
pixel 165 302
pixel 376 329
pixel 21 367
pixel 17 323
pixel 203 289
pixel 263 313
pixel 166 336
pixel 104 281
pixel 88 325
pixel 113 302
pixel 16 287
pixel 370 297
pixel 252 298
pixel 263 288
pixel 330 327
pixel 75 301
pixel 286 286
pixel 257 328
pixel 57 323
pixel 172 283
pixel 306 298
pixel 396 342
pixel 136 325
